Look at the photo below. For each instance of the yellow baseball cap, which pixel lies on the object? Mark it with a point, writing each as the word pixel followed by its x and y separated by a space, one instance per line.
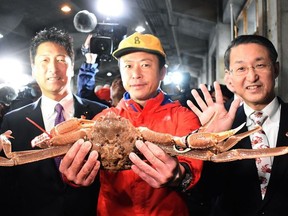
pixel 139 42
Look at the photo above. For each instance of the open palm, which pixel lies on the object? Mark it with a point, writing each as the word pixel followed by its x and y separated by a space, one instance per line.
pixel 223 119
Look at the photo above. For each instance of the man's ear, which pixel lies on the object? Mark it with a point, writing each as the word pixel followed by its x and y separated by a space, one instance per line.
pixel 33 70
pixel 276 69
pixel 226 77
pixel 228 82
pixel 71 73
pixel 163 72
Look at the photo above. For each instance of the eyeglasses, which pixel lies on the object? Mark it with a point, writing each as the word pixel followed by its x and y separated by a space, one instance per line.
pixel 243 70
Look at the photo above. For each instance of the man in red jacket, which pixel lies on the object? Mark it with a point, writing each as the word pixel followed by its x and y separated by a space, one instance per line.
pixel 149 188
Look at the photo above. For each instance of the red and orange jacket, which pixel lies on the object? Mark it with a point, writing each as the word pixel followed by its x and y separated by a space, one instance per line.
pixel 124 192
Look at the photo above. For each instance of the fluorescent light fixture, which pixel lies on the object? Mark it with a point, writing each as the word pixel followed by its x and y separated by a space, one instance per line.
pixel 111 8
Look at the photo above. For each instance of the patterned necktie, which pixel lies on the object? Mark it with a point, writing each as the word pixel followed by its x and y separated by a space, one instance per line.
pixel 59 118
pixel 259 140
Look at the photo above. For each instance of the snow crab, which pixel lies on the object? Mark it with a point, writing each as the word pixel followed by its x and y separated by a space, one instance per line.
pixel 114 137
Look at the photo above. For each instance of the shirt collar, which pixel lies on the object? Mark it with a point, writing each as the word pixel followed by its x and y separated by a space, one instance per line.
pixel 48 106
pixel 128 97
pixel 270 110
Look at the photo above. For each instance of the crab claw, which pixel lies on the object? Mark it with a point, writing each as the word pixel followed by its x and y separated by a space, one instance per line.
pixel 4 138
pixel 202 140
pixel 7 134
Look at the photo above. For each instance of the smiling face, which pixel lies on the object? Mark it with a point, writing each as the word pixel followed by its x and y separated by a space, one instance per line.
pixel 52 70
pixel 255 87
pixel 141 75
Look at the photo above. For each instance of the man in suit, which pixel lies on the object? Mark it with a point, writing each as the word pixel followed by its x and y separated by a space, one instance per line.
pixel 38 188
pixel 251 62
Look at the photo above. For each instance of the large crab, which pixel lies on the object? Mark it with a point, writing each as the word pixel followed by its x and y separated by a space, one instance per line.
pixel 114 138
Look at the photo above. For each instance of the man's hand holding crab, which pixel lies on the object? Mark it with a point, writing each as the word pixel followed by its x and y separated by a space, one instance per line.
pixel 78 169
pixel 165 170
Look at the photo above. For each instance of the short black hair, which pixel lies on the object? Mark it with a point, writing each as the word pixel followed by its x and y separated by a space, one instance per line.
pixel 54 35
pixel 247 39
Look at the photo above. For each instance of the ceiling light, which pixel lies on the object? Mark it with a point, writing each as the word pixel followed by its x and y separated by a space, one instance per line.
pixel 9 78
pixel 173 77
pixel 109 74
pixel 140 29
pixel 1 35
pixel 66 8
pixel 177 78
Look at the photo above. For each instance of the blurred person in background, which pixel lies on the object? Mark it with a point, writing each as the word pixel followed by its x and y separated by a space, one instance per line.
pixel 86 82
pixel 226 93
pixel 7 96
pixel 117 91
pixel 28 94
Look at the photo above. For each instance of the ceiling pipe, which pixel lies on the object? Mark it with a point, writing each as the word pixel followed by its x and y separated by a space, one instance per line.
pixel 232 21
pixel 172 23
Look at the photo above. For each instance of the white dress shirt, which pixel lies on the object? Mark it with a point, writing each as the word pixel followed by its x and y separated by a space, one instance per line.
pixel 271 124
pixel 49 113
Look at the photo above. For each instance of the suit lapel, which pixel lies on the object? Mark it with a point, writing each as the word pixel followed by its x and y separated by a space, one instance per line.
pixel 35 114
pixel 280 165
pixel 83 109
pixel 80 108
pixel 240 119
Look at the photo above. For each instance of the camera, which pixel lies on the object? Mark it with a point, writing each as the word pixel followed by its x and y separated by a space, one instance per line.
pixel 106 38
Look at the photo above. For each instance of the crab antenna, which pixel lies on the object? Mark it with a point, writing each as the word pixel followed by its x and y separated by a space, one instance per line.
pixel 38 126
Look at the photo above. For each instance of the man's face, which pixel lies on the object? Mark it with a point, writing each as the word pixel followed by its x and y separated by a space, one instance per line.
pixel 255 86
pixel 141 75
pixel 52 70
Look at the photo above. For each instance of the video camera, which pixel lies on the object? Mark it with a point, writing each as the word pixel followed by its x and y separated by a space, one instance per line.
pixel 106 38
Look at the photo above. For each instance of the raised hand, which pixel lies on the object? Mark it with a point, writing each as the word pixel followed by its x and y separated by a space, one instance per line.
pixel 223 119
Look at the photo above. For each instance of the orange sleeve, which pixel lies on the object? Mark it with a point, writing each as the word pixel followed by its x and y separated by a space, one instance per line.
pixel 195 167
pixel 189 122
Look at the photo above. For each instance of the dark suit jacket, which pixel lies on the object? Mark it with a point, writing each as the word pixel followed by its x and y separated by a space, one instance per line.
pixel 37 188
pixel 238 182
pixel 233 188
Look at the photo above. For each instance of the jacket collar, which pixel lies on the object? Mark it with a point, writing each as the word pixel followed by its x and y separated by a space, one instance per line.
pixel 154 103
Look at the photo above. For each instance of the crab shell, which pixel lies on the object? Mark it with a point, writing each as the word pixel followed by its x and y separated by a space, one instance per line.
pixel 114 138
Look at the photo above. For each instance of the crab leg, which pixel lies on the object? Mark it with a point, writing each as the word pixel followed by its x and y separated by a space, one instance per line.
pixel 239 154
pixel 23 157
pixel 195 154
pixel 194 140
pixel 232 155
